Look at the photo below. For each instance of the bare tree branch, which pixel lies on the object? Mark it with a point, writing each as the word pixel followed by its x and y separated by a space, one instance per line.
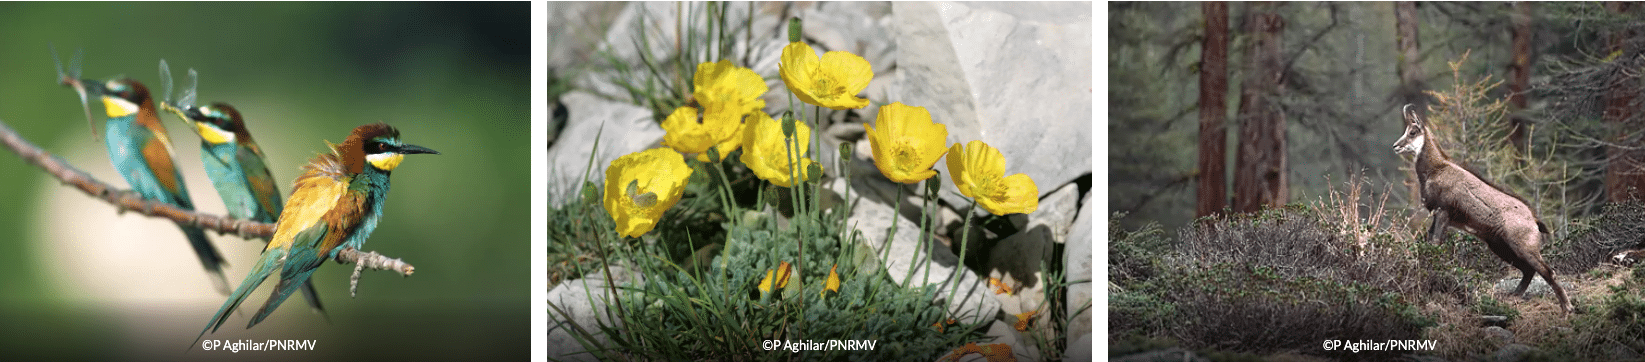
pixel 126 200
pixel 370 259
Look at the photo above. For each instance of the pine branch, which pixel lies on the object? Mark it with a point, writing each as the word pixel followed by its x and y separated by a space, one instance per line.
pixel 126 200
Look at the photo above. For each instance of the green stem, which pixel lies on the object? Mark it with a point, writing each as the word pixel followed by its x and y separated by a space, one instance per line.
pixel 885 255
pixel 913 264
pixel 965 234
pixel 926 236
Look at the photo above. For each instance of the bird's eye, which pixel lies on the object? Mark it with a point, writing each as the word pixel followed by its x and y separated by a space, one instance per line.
pixel 376 147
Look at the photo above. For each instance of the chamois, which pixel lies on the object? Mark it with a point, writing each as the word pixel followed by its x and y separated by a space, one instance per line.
pixel 1461 199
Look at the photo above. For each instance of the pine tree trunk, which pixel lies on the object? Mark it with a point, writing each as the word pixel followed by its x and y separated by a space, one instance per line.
pixel 1411 77
pixel 1260 166
pixel 1410 87
pixel 1519 74
pixel 1213 131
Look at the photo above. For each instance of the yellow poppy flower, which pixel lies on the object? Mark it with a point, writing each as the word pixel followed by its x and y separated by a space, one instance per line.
pixel 640 186
pixel 687 135
pixel 978 171
pixel 907 143
pixel 832 81
pixel 766 150
pixel 727 92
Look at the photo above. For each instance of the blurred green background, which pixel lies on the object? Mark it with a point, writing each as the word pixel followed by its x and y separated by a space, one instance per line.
pixel 84 283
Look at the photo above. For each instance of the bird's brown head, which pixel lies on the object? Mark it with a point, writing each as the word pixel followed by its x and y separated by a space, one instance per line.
pixel 376 145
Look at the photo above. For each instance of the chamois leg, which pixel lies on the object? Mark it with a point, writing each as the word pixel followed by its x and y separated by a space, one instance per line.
pixel 1436 229
pixel 1548 275
pixel 1525 282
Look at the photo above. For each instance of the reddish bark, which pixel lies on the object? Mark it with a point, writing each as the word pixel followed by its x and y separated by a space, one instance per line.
pixel 1260 165
pixel 1213 131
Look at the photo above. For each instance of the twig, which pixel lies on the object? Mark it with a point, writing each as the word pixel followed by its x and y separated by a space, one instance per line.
pixel 370 259
pixel 126 200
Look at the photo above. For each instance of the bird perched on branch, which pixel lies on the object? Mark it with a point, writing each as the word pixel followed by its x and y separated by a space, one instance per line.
pixel 141 152
pixel 335 205
pixel 232 160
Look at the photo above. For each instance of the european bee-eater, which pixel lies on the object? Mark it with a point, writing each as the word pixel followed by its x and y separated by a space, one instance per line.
pixel 141 152
pixel 235 165
pixel 335 204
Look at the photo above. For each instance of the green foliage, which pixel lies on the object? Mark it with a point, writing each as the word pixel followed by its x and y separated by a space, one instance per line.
pixel 721 315
pixel 1613 330
pixel 1619 226
pixel 1486 305
pixel 1275 281
pixel 1134 254
pixel 1135 343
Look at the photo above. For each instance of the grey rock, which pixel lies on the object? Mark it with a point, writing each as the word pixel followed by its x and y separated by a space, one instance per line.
pixel 1015 77
pixel 1538 286
pixel 1079 349
pixel 1077 267
pixel 1500 333
pixel 1056 212
pixel 1511 353
pixel 621 129
pixel 856 27
pixel 581 303
pixel 1015 261
pixel 568 26
pixel 1494 320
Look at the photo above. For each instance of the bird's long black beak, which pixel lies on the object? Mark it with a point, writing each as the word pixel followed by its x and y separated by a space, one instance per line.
pixel 415 149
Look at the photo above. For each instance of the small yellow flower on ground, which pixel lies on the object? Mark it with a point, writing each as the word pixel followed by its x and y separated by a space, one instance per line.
pixel 832 81
pixel 907 143
pixel 1000 287
pixel 640 186
pixel 833 283
pixel 978 171
pixel 776 279
pixel 766 150
pixel 1023 319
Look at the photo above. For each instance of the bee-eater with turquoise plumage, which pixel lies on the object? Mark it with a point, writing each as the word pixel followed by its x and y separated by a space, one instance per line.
pixel 141 152
pixel 234 162
pixel 335 204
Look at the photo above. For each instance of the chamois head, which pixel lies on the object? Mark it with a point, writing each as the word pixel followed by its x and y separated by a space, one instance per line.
pixel 1415 133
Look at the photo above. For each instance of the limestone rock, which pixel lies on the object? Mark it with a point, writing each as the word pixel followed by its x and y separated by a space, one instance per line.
pixel 621 128
pixel 1017 76
pixel 569 303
